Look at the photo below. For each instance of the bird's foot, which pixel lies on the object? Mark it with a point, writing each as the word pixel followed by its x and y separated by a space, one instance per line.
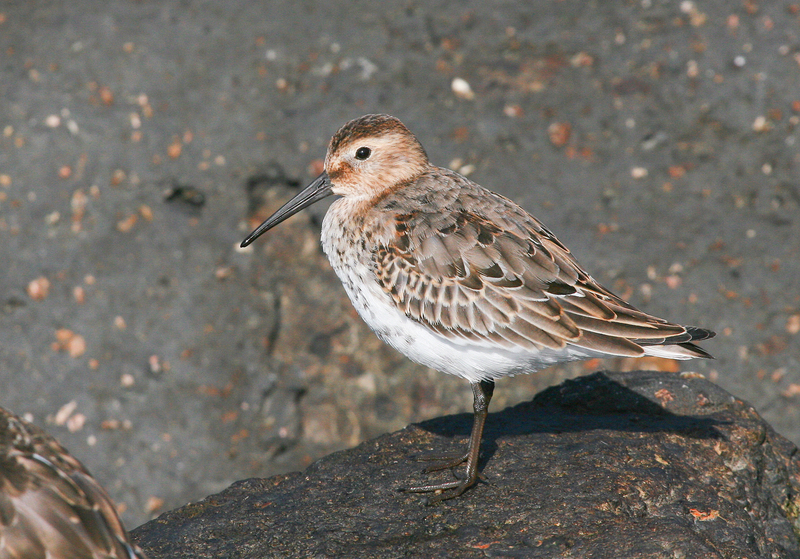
pixel 446 461
pixel 447 490
pixel 482 392
pixel 443 491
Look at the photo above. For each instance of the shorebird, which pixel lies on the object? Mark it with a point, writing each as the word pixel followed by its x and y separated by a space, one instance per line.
pixel 50 506
pixel 461 279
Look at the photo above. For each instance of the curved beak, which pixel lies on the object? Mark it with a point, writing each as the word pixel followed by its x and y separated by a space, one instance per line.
pixel 317 190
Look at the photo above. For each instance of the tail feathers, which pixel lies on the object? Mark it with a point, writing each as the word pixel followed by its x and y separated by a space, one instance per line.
pixel 679 346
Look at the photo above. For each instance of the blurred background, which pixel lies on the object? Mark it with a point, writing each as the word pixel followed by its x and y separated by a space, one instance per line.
pixel 140 141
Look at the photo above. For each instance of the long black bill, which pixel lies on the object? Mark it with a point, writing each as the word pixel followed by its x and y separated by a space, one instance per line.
pixel 317 190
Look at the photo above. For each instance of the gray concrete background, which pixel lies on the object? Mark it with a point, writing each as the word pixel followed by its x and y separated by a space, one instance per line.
pixel 194 364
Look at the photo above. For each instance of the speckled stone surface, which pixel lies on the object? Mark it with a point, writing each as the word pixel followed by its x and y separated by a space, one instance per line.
pixel 649 465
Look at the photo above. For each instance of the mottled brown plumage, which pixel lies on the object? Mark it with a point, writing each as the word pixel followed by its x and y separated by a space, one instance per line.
pixel 50 506
pixel 471 264
pixel 461 279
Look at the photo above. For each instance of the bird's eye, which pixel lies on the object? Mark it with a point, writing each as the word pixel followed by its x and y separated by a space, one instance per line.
pixel 362 153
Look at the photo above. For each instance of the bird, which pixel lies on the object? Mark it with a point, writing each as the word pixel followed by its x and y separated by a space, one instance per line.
pixel 461 279
pixel 50 505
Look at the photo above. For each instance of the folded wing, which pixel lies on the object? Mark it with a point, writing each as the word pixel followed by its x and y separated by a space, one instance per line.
pixel 500 276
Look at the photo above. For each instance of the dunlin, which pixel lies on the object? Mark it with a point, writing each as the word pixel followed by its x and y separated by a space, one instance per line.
pixel 50 506
pixel 461 279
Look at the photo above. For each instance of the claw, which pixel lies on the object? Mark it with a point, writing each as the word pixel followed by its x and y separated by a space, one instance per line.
pixel 455 461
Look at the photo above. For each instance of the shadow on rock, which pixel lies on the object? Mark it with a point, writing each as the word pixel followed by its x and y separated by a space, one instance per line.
pixel 635 402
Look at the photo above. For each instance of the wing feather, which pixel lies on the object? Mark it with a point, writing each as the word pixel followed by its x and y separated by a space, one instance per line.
pixel 486 271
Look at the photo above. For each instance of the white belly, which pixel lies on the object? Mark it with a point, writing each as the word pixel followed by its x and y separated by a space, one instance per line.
pixel 470 360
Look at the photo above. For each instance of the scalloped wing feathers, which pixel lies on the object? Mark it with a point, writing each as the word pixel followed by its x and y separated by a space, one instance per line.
pixel 469 263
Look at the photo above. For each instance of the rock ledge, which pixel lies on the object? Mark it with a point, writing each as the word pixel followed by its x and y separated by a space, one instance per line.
pixel 645 464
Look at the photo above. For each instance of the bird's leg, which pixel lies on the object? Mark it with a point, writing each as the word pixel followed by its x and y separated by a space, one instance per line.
pixel 482 394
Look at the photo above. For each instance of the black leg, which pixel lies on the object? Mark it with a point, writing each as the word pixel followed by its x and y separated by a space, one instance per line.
pixel 482 394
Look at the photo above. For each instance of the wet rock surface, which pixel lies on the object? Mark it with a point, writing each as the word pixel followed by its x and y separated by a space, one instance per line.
pixel 638 464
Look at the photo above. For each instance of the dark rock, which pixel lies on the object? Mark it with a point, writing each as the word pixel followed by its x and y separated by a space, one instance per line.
pixel 637 464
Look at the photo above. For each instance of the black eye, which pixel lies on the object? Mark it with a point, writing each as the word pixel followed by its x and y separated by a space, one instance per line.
pixel 362 153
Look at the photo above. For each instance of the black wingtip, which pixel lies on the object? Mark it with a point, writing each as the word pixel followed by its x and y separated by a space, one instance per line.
pixel 697 350
pixel 699 334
